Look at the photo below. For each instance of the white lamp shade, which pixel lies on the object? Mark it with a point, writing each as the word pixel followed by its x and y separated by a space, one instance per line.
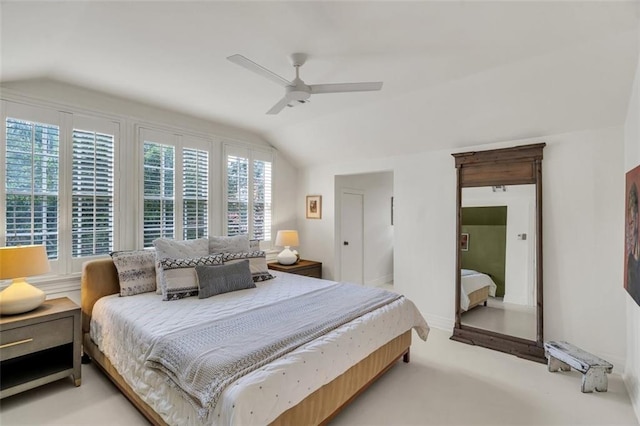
pixel 287 238
pixel 17 263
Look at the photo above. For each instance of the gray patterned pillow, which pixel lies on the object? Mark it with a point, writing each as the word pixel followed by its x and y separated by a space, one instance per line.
pixel 213 280
pixel 178 276
pixel 234 244
pixel 136 271
pixel 257 263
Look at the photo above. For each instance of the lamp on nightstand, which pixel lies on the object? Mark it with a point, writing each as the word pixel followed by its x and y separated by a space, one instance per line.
pixel 17 263
pixel 287 238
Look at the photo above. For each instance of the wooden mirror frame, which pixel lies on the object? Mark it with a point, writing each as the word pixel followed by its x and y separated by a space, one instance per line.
pixel 520 165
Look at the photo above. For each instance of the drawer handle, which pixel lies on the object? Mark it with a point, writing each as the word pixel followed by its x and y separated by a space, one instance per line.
pixel 19 342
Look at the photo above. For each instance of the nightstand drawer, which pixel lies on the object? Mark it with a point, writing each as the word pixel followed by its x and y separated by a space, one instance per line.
pixel 32 338
pixel 314 272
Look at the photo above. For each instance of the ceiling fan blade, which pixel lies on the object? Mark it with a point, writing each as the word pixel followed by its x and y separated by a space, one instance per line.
pixel 258 69
pixel 279 106
pixel 345 87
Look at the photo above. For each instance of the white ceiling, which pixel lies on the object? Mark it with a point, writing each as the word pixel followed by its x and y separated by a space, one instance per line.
pixel 455 73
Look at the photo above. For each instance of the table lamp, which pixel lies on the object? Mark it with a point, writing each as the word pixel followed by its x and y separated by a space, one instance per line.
pixel 287 239
pixel 17 263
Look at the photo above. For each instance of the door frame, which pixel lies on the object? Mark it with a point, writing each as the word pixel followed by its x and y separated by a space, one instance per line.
pixel 338 230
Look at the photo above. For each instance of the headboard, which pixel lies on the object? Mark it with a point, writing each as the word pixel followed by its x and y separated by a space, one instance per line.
pixel 99 279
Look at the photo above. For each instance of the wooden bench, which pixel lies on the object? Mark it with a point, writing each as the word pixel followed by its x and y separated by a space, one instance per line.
pixel 563 356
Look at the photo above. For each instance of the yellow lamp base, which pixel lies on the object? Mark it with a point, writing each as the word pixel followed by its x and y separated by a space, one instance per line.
pixel 20 297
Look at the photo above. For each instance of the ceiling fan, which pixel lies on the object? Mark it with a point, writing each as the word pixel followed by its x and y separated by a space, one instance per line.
pixel 297 91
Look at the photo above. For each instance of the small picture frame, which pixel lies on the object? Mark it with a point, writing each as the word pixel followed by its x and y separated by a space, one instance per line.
pixel 464 242
pixel 314 207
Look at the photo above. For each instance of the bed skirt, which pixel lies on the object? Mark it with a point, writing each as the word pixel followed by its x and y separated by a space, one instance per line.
pixel 317 408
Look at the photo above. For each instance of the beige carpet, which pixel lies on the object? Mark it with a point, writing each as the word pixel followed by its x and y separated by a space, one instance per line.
pixel 446 383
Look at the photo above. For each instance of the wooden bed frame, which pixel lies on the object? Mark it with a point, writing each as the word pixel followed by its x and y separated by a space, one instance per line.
pixel 478 297
pixel 100 278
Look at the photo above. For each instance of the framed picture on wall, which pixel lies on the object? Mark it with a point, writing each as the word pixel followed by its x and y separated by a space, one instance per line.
pixel 464 242
pixel 632 235
pixel 314 206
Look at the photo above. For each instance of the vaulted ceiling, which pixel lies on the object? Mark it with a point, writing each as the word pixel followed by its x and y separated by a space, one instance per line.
pixel 455 73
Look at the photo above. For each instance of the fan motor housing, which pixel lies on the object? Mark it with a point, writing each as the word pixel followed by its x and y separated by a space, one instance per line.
pixel 299 92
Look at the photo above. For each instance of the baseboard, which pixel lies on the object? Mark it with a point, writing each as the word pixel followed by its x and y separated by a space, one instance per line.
pixel 441 323
pixel 379 281
pixel 633 389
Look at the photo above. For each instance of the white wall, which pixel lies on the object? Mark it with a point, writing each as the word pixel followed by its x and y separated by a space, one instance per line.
pixel 378 232
pixel 631 160
pixel 583 224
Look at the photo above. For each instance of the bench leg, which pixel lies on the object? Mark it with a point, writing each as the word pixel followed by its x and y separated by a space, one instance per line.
pixel 594 378
pixel 555 364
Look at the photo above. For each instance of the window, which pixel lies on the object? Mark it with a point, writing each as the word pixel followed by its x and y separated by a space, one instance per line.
pixel 176 186
pixel 237 195
pixel 195 189
pixel 262 200
pixel 248 193
pixel 92 193
pixel 159 195
pixel 31 184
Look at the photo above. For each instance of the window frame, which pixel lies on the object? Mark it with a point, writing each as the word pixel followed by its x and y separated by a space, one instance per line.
pixel 251 154
pixel 179 142
pixel 65 264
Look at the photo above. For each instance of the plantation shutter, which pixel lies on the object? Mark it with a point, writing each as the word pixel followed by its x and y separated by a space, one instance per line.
pixel 237 195
pixel 261 199
pixel 92 193
pixel 249 192
pixel 158 192
pixel 31 179
pixel 195 189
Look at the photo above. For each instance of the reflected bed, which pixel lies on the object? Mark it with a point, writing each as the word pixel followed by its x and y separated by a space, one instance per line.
pixel 476 288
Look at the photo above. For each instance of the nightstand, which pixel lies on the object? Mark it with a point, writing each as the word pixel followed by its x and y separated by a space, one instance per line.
pixel 307 268
pixel 40 346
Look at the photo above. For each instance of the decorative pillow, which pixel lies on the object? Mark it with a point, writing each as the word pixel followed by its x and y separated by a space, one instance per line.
pixel 257 263
pixel 178 276
pixel 136 271
pixel 235 244
pixel 213 280
pixel 254 245
pixel 174 249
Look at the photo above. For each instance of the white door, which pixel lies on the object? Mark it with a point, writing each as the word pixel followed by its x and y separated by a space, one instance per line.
pixel 352 237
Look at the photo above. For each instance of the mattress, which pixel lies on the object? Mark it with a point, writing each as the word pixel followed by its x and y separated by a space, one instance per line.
pixel 471 281
pixel 124 328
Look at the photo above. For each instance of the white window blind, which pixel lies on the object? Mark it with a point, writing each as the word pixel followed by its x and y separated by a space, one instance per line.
pixel 261 200
pixel 195 190
pixel 159 193
pixel 249 193
pixel 31 182
pixel 92 205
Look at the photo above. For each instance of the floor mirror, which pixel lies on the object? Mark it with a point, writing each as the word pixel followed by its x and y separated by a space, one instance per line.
pixel 499 293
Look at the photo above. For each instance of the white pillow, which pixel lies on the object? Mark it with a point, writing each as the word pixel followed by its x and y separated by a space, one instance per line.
pixel 234 244
pixel 170 248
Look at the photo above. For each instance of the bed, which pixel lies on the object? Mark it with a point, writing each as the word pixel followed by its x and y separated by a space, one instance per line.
pixel 476 288
pixel 308 385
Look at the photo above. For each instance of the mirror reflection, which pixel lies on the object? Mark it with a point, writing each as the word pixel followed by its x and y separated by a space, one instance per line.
pixel 498 259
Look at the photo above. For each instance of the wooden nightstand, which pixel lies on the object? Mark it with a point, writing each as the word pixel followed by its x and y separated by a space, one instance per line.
pixel 40 346
pixel 308 268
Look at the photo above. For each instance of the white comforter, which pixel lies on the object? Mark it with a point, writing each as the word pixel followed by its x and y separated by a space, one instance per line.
pixel 125 327
pixel 471 281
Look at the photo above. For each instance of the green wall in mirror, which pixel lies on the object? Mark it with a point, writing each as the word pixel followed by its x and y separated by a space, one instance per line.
pixel 487 229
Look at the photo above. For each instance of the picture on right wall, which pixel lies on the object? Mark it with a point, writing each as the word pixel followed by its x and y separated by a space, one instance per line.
pixel 632 235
